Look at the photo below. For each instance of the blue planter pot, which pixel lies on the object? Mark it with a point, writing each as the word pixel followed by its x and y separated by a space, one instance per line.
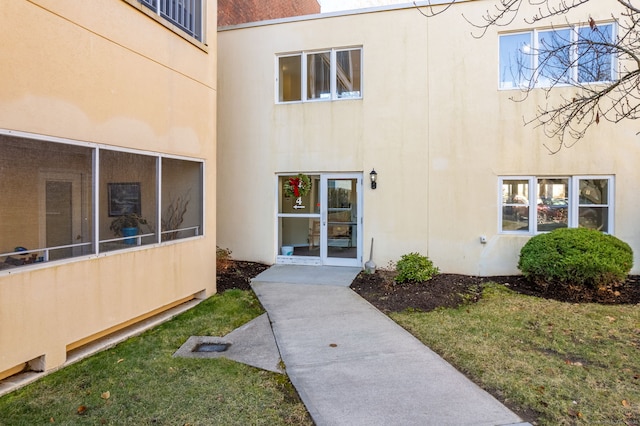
pixel 129 232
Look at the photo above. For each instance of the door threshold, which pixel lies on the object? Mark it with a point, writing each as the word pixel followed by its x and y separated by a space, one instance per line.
pixel 298 260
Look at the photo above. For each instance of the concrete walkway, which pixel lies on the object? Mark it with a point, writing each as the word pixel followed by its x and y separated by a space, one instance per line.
pixel 352 365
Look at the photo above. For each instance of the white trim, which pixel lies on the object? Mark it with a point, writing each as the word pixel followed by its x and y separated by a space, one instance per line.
pixel 574 31
pixel 573 206
pixel 333 74
pixel 323 258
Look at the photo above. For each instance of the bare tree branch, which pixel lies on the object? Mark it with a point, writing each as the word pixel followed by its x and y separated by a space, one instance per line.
pixel 600 61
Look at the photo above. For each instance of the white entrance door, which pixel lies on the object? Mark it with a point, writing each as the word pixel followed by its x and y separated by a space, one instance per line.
pixel 341 219
pixel 321 225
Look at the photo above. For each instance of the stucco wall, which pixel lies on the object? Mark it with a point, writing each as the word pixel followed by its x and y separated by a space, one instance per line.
pixel 104 72
pixel 432 122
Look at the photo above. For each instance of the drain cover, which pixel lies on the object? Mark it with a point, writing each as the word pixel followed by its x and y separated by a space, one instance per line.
pixel 211 347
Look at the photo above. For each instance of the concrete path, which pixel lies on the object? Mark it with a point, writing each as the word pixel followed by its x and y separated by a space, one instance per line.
pixel 352 365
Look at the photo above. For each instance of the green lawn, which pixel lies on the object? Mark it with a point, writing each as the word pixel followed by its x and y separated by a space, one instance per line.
pixel 571 363
pixel 139 382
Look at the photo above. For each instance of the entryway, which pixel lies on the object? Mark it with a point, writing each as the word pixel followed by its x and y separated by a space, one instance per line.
pixel 320 219
pixel 61 213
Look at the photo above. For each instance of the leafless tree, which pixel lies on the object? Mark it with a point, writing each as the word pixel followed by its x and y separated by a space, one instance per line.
pixel 599 62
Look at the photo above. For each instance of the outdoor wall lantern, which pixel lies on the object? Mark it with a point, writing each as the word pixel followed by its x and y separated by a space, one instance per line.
pixel 374 177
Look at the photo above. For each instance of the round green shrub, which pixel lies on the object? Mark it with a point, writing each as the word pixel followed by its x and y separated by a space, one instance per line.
pixel 414 267
pixel 576 257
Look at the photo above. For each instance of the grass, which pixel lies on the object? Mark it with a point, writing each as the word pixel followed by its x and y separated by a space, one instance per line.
pixel 139 382
pixel 569 363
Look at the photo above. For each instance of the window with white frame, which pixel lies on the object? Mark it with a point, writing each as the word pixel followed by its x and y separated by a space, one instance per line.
pixel 64 199
pixel 185 14
pixel 556 56
pixel 540 204
pixel 320 75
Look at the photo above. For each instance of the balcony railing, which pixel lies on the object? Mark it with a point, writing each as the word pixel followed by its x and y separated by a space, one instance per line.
pixel 185 14
pixel 25 257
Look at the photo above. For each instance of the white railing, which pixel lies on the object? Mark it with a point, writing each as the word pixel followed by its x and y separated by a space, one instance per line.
pixel 195 229
pixel 27 257
pixel 186 14
pixel 45 253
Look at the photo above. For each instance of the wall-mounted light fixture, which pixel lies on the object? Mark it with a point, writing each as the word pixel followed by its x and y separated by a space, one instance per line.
pixel 374 177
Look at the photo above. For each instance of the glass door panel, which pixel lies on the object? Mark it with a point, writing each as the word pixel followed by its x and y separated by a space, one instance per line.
pixel 341 220
pixel 320 225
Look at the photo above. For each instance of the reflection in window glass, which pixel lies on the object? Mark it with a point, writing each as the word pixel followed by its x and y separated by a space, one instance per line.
pixel 182 201
pixel 554 57
pixel 515 205
pixel 128 194
pixel 319 75
pixel 348 73
pixel 595 57
pixel 562 56
pixel 552 210
pixel 593 209
pixel 290 78
pixel 515 60
pixel 46 201
pixel 559 203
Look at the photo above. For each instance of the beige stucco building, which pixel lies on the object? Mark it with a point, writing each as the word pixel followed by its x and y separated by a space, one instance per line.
pixel 325 99
pixel 107 110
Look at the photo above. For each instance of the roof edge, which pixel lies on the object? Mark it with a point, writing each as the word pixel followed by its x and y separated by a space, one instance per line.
pixel 316 16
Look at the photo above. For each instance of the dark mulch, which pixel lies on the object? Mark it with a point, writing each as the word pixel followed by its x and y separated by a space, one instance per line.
pixel 237 274
pixel 451 290
pixel 444 290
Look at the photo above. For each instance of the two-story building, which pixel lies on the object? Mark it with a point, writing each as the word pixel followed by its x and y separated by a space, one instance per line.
pixel 311 106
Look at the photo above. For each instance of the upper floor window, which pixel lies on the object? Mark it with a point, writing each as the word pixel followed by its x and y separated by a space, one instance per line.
pixel 540 204
pixel 185 14
pixel 320 75
pixel 569 55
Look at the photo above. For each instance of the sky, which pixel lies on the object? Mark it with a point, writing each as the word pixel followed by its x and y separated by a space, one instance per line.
pixel 336 5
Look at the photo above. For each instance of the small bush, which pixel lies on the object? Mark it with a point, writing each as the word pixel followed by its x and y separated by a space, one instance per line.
pixel 223 259
pixel 576 257
pixel 414 267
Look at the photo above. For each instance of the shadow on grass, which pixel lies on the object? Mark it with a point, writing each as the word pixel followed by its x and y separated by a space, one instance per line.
pixel 139 382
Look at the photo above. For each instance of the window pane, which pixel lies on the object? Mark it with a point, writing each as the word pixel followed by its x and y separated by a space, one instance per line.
pixel 515 60
pixel 594 200
pixel 595 61
pixel 553 204
pixel 348 73
pixel 594 191
pixel 319 75
pixel 289 80
pixel 46 198
pixel 304 201
pixel 181 199
pixel 299 236
pixel 515 205
pixel 127 200
pixel 554 57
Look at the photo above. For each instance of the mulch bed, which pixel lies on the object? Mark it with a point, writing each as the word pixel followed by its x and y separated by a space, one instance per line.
pixel 444 290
